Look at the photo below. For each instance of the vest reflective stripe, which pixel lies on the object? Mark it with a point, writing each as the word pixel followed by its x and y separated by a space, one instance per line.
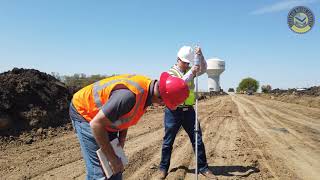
pixel 97 87
pixel 191 98
pixel 176 72
pixel 97 100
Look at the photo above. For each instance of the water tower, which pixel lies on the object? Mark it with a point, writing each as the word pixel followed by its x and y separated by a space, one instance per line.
pixel 215 67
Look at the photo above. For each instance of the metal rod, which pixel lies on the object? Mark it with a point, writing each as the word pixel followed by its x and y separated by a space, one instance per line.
pixel 196 128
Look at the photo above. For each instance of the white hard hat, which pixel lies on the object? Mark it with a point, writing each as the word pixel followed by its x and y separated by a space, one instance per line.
pixel 186 54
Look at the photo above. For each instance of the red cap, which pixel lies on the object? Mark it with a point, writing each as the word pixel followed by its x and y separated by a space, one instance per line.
pixel 173 90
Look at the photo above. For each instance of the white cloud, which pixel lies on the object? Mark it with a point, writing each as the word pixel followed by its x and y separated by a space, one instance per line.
pixel 282 5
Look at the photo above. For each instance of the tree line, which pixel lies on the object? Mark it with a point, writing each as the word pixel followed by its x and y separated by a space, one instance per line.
pixel 78 80
pixel 250 84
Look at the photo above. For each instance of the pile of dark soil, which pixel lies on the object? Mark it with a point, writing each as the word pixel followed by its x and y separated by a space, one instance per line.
pixel 30 99
pixel 312 91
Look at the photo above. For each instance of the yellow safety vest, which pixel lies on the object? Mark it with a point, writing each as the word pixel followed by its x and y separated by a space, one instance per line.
pixel 191 98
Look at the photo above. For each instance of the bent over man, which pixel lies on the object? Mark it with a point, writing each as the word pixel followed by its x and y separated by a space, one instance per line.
pixel 104 110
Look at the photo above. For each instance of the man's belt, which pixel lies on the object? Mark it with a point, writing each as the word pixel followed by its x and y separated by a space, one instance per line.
pixel 184 107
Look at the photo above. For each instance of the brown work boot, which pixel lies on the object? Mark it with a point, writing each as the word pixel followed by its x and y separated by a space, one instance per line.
pixel 163 174
pixel 209 175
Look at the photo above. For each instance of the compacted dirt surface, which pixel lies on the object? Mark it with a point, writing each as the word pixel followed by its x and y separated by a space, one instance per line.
pixel 246 137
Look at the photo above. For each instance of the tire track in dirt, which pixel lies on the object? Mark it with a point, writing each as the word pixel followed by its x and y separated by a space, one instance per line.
pixel 31 161
pixel 289 108
pixel 229 153
pixel 279 120
pixel 141 152
pixel 150 122
pixel 302 115
pixel 282 144
pixel 71 170
pixel 269 159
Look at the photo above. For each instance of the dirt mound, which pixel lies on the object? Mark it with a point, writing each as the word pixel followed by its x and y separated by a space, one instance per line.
pixel 309 97
pixel 31 99
pixel 312 91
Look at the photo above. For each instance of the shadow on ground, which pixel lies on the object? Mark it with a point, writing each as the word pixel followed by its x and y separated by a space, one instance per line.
pixel 241 171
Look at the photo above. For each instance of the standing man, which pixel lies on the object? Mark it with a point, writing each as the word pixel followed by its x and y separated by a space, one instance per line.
pixel 104 110
pixel 184 115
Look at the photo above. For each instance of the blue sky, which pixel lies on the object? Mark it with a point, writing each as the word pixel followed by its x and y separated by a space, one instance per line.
pixel 143 37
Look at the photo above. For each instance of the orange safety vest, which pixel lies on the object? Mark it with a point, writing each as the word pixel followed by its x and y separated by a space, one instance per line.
pixel 89 100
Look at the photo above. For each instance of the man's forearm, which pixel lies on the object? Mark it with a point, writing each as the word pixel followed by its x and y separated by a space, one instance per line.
pixel 98 125
pixel 102 139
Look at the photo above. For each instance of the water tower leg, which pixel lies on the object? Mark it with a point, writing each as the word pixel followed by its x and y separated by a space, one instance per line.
pixel 213 83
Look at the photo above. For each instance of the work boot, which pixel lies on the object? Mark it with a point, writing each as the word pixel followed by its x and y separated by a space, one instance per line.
pixel 208 174
pixel 163 174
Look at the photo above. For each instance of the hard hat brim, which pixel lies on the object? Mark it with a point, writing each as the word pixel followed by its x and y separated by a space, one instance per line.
pixel 184 60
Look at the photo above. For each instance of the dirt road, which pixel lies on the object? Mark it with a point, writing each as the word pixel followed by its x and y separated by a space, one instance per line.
pixel 246 137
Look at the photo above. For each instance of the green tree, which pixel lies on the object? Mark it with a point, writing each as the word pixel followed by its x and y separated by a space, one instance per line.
pixel 248 84
pixel 266 88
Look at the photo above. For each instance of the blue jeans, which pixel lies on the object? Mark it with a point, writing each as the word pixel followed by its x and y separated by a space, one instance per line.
pixel 173 120
pixel 89 146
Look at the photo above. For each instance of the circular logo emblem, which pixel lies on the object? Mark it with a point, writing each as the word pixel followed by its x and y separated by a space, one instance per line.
pixel 300 19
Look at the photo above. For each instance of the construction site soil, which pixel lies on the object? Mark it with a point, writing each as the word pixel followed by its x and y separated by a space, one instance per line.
pixel 246 137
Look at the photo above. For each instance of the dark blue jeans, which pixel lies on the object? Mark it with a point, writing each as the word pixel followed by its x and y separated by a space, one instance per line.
pixel 89 146
pixel 173 120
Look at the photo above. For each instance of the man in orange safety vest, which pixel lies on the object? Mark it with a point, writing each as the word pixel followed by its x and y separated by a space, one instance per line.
pixel 104 110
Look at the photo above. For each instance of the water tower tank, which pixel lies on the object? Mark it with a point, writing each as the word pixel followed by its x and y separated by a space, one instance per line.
pixel 215 67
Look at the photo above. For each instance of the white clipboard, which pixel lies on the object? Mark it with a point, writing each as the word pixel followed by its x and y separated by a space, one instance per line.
pixel 104 161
